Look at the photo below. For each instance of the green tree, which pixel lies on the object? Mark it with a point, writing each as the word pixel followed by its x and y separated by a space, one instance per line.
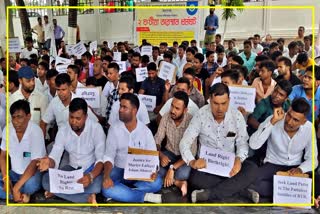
pixel 229 13
pixel 24 19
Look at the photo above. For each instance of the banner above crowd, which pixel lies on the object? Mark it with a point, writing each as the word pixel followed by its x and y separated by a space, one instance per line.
pixel 166 24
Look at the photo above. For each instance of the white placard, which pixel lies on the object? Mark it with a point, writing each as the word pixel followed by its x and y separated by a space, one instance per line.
pixel 218 162
pixel 62 68
pixel 141 166
pixel 90 95
pixel 146 50
pixel 93 47
pixel 122 66
pixel 216 80
pixel 62 60
pixel 69 49
pixel 14 45
pixel 166 71
pixel 79 49
pixel 242 96
pixel 291 190
pixel 141 74
pixel 117 56
pixel 149 101
pixel 136 49
pixel 65 181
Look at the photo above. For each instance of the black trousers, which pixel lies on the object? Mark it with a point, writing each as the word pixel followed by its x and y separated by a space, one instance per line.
pixel 223 187
pixel 264 182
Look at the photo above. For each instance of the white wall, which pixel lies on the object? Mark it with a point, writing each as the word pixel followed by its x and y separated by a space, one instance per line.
pixel 119 26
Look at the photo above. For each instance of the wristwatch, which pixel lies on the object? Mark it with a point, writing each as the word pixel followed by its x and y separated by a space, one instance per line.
pixel 172 167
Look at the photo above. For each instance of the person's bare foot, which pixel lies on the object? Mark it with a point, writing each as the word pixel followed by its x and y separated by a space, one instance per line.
pixel 48 194
pixel 25 198
pixel 92 199
pixel 183 185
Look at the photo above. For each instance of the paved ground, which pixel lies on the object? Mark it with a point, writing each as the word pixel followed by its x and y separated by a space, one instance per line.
pixel 154 210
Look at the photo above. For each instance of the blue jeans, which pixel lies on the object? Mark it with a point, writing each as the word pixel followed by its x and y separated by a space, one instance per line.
pixel 95 187
pixel 31 186
pixel 121 192
pixel 182 173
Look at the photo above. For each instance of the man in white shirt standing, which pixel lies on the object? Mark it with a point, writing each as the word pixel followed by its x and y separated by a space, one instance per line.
pixel 128 132
pixel 26 52
pixel 38 102
pixel 289 146
pixel 84 140
pixel 26 146
pixel 220 127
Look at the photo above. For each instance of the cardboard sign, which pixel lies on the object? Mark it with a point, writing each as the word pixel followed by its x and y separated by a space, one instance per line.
pixel 69 49
pixel 62 60
pixel 122 66
pixel 136 49
pixel 141 164
pixel 90 95
pixel 218 162
pixel 62 68
pixel 14 45
pixel 65 181
pixel 291 190
pixel 166 71
pixel 146 50
pixel 149 101
pixel 141 74
pixel 242 96
pixel 79 49
pixel 117 56
pixel 93 47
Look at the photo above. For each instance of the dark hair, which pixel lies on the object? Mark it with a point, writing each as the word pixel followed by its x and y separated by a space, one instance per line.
pixel 74 68
pixel 107 58
pixel 124 56
pixel 163 44
pixel 300 105
pixel 184 80
pixel 136 54
pixel 86 54
pixel 78 104
pixel 199 56
pixel 13 77
pixel 219 49
pixel 156 48
pixel 152 66
pixel 219 89
pixel 268 64
pixel 260 58
pixel 25 60
pixel 285 85
pixel 256 35
pixel 183 47
pixel 208 53
pixel 145 59
pixel 114 65
pixel 218 35
pixel 309 37
pixel 247 42
pixel 175 43
pixel 280 40
pixel 292 44
pixel 20 105
pixel 238 59
pixel 275 55
pixel 193 41
pixel 133 99
pixel 286 61
pixel 316 71
pixel 45 65
pixel 78 62
pixel 302 57
pixel 51 73
pixel 191 50
pixel 45 58
pixel 129 80
pixel 33 61
pixel 181 95
pixel 62 78
pixel 273 45
pixel 168 55
pixel 233 74
pixel 190 71
pixel 91 81
pixel 29 39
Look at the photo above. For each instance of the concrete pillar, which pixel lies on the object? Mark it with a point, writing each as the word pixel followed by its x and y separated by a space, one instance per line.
pixel 2 29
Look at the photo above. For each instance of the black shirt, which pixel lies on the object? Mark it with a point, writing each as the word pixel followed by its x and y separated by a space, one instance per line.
pixel 102 81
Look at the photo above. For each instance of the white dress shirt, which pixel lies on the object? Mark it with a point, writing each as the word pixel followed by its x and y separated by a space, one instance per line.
pixel 119 139
pixel 293 59
pixel 258 49
pixel 108 88
pixel 213 134
pixel 25 53
pixel 283 150
pixel 42 88
pixel 84 150
pixel 142 113
pixel 192 107
pixel 58 112
pixel 30 147
pixel 38 103
pixel 180 62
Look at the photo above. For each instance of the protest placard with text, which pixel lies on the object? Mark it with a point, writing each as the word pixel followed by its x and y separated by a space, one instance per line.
pixel 62 68
pixel 117 56
pixel 149 101
pixel 79 49
pixel 167 71
pixel 62 60
pixel 65 181
pixel 14 45
pixel 90 95
pixel 243 96
pixel 141 74
pixel 146 50
pixel 122 66
pixel 93 47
